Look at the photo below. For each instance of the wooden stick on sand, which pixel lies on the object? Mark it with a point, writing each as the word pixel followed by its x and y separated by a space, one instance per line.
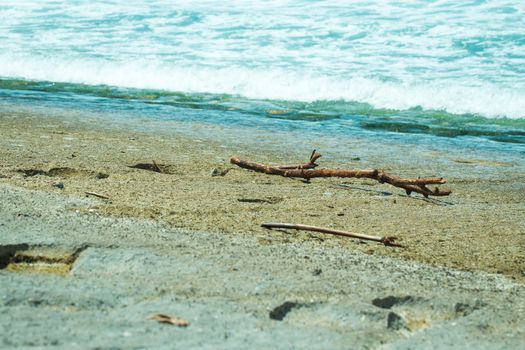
pixel 387 240
pixel 157 167
pixel 96 195
pixel 308 171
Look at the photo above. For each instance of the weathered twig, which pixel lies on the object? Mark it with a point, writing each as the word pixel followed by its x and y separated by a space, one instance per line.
pixel 173 320
pixel 97 195
pixel 307 172
pixel 157 167
pixel 387 240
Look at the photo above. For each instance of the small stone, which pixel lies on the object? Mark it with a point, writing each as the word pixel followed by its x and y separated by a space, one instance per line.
pixel 464 309
pixel 280 312
pixel 396 322
pixel 34 302
pixel 317 272
pixel 59 185
pixel 391 301
pixel 219 172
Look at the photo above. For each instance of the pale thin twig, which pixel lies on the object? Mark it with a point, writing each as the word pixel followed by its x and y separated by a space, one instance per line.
pixel 387 240
pixel 157 167
pixel 97 195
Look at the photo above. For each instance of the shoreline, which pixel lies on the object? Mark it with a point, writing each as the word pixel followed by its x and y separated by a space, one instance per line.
pixel 477 228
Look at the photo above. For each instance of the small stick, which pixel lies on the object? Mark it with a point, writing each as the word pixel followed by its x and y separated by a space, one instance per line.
pixel 173 320
pixel 97 195
pixel 310 165
pixel 157 167
pixel 387 240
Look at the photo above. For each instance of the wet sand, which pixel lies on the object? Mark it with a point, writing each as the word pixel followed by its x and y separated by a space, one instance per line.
pixel 478 228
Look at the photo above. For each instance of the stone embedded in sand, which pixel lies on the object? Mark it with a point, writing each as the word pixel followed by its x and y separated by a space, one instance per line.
pixel 396 322
pixel 390 301
pixel 280 312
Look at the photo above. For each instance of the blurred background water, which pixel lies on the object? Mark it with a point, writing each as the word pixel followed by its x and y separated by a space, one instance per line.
pixel 416 72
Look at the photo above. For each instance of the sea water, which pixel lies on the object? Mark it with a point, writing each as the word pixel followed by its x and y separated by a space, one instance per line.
pixel 422 71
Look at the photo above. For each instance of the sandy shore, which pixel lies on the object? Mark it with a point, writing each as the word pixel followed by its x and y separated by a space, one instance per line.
pixel 189 244
pixel 78 280
pixel 478 228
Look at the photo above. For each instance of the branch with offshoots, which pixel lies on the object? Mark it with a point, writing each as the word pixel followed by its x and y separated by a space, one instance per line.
pixel 308 171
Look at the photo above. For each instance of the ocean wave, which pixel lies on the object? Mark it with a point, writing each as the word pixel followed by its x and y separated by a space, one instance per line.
pixel 441 55
pixel 456 97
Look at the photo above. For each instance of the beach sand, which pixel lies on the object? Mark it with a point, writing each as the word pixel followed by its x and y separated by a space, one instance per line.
pixel 189 244
pixel 480 227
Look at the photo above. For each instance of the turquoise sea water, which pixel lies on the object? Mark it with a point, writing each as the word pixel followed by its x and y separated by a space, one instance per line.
pixel 445 69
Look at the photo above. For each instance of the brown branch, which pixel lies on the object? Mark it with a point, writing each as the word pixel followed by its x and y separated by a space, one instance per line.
pixel 307 172
pixel 387 240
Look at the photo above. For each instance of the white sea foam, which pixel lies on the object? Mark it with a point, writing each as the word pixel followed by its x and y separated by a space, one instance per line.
pixel 482 99
pixel 459 57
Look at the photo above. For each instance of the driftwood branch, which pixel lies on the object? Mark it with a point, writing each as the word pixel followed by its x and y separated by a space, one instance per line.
pixel 387 240
pixel 308 171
